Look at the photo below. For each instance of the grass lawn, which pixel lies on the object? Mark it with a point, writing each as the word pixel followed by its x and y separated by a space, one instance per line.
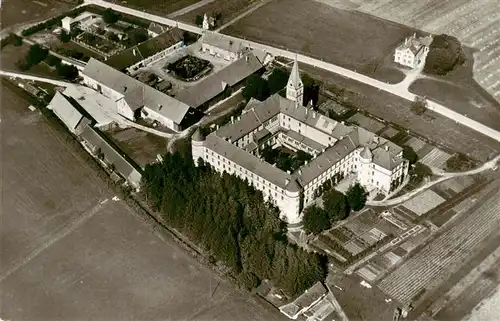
pixel 350 39
pixel 440 130
pixel 155 6
pixel 11 54
pixel 24 11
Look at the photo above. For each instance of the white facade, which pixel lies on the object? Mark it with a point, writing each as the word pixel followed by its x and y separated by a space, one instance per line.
pixel 295 87
pixel 157 56
pixel 338 151
pixel 155 115
pixel 412 52
pixel 66 23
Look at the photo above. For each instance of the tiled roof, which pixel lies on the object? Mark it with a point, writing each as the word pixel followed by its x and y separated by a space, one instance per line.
pixel 223 42
pixel 135 92
pixel 144 50
pixel 216 83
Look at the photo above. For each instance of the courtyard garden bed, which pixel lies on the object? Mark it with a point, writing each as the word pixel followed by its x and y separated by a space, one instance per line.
pixel 189 68
pixel 284 158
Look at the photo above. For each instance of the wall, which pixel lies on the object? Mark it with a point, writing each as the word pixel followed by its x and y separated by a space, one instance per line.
pixel 154 115
pixel 155 57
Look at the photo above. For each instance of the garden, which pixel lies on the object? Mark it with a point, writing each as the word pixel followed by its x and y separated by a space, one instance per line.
pixel 284 158
pixel 189 68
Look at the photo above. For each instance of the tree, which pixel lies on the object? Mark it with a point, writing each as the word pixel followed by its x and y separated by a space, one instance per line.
pixel 52 60
pixel 64 36
pixel 34 56
pixel 315 220
pixel 112 36
pixel 410 154
pixel 198 20
pixel 356 197
pixel 138 35
pixel 277 80
pixel 419 172
pixel 335 205
pixel 69 72
pixel 419 105
pixel 445 52
pixel 15 39
pixel 255 87
pixel 459 162
pixel 311 89
pixel 110 16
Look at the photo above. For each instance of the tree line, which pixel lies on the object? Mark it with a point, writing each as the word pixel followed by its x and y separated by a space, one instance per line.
pixel 230 219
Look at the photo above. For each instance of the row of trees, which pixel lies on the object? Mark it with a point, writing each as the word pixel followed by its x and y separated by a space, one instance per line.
pixel 336 206
pixel 37 54
pixel 230 220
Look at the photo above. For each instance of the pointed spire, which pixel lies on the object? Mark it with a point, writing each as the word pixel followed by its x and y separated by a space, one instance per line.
pixel 295 74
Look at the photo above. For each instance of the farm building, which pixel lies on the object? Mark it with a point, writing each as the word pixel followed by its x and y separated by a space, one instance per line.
pixel 412 52
pixel 304 302
pixel 221 83
pixel 69 112
pixel 222 46
pixel 156 29
pixel 133 98
pixel 147 52
pixel 97 143
pixel 67 22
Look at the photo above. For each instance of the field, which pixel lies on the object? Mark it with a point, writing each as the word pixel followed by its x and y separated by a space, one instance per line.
pixel 228 9
pixel 24 11
pixel 350 39
pixel 70 252
pixel 475 23
pixel 10 55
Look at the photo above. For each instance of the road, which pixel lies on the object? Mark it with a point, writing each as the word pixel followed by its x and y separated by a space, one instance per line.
pixel 489 165
pixel 36 78
pixel 190 8
pixel 400 90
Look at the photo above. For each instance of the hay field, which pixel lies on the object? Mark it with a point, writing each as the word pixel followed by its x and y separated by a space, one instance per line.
pixel 475 22
pixel 69 252
pixel 353 40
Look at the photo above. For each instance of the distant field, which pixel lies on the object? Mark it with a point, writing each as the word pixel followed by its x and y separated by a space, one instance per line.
pixel 18 11
pixel 476 23
pixel 69 252
pixel 156 6
pixel 228 9
pixel 350 39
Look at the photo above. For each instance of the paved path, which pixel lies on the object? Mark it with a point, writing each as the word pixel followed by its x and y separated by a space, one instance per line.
pixel 489 165
pixel 36 78
pixel 395 89
pixel 190 8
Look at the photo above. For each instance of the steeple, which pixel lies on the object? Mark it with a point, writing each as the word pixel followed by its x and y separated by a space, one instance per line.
pixel 295 87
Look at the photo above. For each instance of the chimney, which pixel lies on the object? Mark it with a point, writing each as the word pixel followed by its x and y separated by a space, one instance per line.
pixel 307 110
pixel 305 162
pixel 375 139
pixel 386 148
pixel 133 51
pixel 232 119
pixel 314 114
pixel 246 58
pixel 217 127
pixel 300 172
pixel 288 172
pixel 124 88
pixel 287 180
pixel 160 106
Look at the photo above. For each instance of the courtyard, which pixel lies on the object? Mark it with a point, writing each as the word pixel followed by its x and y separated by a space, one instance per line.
pixel 189 68
pixel 285 158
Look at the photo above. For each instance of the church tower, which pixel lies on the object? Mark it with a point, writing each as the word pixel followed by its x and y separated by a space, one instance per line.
pixel 295 87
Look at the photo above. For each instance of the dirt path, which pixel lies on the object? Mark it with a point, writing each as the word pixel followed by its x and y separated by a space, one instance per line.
pixel 190 8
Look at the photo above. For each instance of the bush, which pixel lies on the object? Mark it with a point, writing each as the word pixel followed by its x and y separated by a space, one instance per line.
pixel 198 20
pixel 53 60
pixel 356 197
pixel 459 163
pixel 419 105
pixel 64 36
pixel 335 204
pixel 15 40
pixel 419 172
pixel 69 72
pixel 410 154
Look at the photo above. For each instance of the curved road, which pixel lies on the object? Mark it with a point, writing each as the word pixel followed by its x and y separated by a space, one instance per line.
pixel 395 89
pixel 489 165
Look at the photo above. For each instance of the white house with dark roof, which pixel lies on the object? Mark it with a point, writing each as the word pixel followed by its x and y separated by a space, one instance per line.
pixel 338 150
pixel 132 97
pixel 221 46
pixel 413 51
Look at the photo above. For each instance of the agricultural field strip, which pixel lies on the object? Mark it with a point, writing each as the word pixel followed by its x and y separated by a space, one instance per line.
pixel 428 267
pixel 470 279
